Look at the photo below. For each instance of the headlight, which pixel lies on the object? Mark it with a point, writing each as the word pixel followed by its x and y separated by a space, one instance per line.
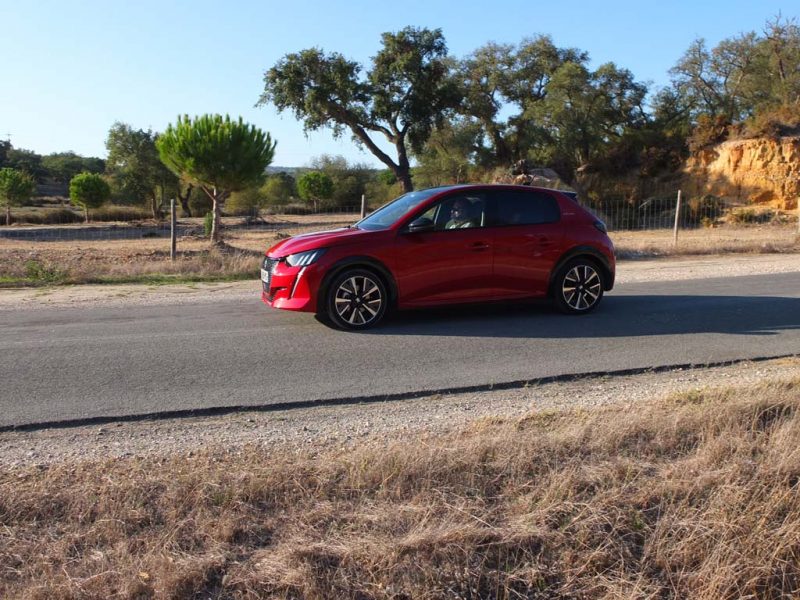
pixel 303 259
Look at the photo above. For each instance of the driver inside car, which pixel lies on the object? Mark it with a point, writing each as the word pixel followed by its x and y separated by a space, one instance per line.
pixel 461 216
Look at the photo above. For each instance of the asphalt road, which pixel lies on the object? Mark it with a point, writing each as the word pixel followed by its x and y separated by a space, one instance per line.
pixel 78 363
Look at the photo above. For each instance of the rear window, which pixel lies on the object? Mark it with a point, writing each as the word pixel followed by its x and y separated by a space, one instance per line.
pixel 524 208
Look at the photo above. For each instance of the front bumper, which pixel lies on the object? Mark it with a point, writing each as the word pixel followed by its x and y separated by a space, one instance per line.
pixel 289 288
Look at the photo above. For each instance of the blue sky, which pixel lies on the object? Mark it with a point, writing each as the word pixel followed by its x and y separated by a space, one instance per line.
pixel 71 68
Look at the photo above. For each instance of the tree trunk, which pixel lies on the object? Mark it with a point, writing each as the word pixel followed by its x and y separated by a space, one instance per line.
pixel 8 214
pixel 403 169
pixel 86 212
pixel 155 207
pixel 184 200
pixel 405 179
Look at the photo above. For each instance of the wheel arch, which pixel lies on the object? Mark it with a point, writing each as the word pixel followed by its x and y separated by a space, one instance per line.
pixel 357 262
pixel 589 253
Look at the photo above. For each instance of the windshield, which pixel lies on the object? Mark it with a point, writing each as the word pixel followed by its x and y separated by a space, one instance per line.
pixel 388 214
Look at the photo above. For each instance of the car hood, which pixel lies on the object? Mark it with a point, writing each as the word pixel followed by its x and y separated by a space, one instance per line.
pixel 318 239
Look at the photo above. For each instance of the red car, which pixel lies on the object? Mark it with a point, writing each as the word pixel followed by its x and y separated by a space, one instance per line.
pixel 446 245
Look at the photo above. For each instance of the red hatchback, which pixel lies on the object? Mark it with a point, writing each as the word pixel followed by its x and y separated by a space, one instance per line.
pixel 446 245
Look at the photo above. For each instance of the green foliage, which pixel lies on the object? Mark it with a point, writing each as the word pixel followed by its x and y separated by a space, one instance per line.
pixel 89 190
pixel 199 202
pixel 279 189
pixel 16 188
pixel 38 272
pixel 314 186
pixel 245 202
pixel 450 155
pixel 27 161
pixel 63 166
pixel 216 152
pixel 405 93
pixel 219 155
pixel 741 76
pixel 349 181
pixel 135 170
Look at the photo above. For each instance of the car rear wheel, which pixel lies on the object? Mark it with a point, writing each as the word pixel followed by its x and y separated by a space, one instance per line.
pixel 578 287
pixel 356 299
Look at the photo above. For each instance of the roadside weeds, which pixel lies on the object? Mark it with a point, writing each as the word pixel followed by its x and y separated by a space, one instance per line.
pixel 690 495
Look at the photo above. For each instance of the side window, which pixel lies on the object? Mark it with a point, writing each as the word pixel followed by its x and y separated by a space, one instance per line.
pixel 460 211
pixel 524 208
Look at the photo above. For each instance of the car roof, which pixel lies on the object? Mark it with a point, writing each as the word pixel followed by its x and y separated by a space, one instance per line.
pixel 509 186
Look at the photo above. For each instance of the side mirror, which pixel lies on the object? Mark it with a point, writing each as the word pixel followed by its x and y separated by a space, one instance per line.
pixel 420 224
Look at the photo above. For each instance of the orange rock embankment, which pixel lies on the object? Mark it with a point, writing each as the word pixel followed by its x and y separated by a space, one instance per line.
pixel 756 171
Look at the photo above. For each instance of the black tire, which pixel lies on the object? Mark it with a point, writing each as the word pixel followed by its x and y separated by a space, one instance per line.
pixel 578 287
pixel 356 299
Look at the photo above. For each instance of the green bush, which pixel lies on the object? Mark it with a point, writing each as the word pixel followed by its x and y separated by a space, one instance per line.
pixel 244 203
pixel 208 223
pixel 39 272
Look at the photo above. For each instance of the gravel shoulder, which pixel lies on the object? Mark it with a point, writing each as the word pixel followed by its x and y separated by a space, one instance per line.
pixel 344 425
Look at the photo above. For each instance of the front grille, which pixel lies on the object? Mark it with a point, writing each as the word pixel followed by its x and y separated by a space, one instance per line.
pixel 268 264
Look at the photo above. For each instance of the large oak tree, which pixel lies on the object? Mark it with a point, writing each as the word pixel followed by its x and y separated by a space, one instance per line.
pixel 404 94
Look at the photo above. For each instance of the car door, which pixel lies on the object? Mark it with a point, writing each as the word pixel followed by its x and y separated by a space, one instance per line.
pixel 443 265
pixel 528 234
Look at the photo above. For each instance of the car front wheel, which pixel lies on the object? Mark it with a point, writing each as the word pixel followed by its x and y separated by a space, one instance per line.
pixel 356 299
pixel 578 287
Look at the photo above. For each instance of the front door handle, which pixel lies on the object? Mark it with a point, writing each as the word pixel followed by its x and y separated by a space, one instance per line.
pixel 478 246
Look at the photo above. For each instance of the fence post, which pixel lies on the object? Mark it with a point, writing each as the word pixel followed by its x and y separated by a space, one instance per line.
pixel 677 217
pixel 172 240
pixel 363 206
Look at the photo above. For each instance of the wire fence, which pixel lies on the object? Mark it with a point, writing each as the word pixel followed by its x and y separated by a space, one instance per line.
pixel 655 214
pixel 674 211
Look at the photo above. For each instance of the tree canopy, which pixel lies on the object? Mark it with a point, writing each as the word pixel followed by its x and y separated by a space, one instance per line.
pixel 218 154
pixel 135 170
pixel 89 190
pixel 401 97
pixel 16 187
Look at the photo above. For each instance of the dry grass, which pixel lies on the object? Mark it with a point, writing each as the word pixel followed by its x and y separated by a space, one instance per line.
pixel 762 239
pixel 147 260
pixel 694 496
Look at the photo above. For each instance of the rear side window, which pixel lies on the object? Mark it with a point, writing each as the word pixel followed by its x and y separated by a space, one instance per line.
pixel 524 208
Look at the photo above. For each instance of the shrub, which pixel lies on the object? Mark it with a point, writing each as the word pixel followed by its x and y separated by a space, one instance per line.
pixel 773 123
pixel 41 273
pixel 750 216
pixel 709 131
pixel 244 203
pixel 208 223
pixel 58 216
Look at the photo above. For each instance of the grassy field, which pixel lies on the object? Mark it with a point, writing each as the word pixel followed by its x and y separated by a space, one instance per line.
pixel 690 496
pixel 146 260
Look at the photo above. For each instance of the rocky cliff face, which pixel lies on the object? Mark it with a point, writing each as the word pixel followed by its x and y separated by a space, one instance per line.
pixel 758 171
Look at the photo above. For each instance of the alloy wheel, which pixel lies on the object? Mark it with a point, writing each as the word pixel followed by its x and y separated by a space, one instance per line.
pixel 581 287
pixel 358 301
